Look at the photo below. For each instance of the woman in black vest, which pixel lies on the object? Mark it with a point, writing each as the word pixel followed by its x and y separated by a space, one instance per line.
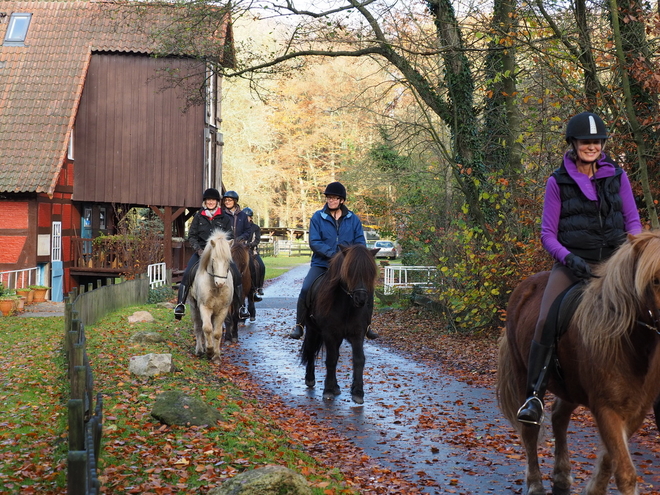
pixel 588 210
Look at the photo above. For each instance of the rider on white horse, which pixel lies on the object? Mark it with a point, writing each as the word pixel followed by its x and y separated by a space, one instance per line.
pixel 206 220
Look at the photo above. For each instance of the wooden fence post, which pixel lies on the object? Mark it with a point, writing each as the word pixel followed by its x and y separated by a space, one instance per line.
pixel 77 472
pixel 76 424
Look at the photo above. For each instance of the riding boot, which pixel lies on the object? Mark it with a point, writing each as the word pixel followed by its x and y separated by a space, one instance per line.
pixel 371 333
pixel 297 332
pixel 180 308
pixel 301 311
pixel 531 411
pixel 243 313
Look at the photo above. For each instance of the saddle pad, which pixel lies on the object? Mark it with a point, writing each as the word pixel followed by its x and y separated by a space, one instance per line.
pixel 564 307
pixel 311 293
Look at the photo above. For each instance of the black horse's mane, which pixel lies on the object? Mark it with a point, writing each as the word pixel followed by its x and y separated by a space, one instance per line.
pixel 349 268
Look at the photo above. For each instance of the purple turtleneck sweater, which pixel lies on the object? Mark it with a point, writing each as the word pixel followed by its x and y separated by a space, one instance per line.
pixel 552 203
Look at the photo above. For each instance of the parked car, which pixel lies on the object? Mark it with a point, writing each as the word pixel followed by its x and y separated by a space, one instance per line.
pixel 388 249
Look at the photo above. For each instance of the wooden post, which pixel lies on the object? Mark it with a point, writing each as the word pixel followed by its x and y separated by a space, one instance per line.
pixel 76 424
pixel 77 473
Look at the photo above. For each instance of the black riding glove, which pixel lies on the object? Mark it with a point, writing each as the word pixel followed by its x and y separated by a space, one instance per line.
pixel 578 267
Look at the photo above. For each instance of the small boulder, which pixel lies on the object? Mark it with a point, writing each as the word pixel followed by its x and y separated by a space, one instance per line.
pixel 176 408
pixel 269 480
pixel 140 316
pixel 150 364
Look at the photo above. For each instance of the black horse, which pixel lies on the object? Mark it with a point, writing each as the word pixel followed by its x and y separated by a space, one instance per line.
pixel 341 306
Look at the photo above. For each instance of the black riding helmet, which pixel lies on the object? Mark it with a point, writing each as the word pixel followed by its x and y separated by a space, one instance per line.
pixel 211 193
pixel 248 211
pixel 586 125
pixel 335 189
pixel 231 194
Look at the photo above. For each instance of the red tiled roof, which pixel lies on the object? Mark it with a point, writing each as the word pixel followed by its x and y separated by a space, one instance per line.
pixel 41 82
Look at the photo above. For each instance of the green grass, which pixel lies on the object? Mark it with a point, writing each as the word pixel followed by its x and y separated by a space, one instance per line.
pixel 33 412
pixel 276 266
pixel 138 454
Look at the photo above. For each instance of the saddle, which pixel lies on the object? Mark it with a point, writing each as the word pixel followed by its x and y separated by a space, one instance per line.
pixel 557 321
pixel 193 272
pixel 311 293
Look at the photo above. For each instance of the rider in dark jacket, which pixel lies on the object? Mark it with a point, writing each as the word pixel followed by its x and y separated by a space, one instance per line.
pixel 239 220
pixel 209 218
pixel 253 241
pixel 329 227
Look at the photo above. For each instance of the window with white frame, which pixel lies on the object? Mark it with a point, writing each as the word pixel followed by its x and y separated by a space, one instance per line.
pixel 56 246
pixel 69 152
pixel 17 29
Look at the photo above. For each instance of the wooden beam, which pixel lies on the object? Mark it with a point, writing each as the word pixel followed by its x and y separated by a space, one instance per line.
pixel 167 238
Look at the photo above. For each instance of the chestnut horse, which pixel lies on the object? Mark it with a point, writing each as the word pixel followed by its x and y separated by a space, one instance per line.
pixel 341 308
pixel 240 253
pixel 609 358
pixel 211 294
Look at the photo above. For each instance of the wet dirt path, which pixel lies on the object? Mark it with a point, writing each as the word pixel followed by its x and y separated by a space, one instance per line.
pixel 415 419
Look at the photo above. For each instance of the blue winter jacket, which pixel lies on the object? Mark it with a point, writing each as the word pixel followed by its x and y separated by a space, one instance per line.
pixel 326 234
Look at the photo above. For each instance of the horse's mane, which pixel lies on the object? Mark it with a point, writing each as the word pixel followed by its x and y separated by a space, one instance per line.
pixel 612 303
pixel 222 248
pixel 352 266
pixel 241 254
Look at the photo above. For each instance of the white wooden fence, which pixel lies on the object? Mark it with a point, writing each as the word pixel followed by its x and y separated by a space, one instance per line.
pixel 399 277
pixel 157 275
pixel 20 279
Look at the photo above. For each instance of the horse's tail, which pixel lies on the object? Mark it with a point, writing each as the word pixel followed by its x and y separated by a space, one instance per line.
pixel 312 344
pixel 508 396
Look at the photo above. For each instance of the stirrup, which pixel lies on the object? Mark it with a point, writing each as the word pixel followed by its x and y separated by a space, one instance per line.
pixel 179 311
pixel 529 403
pixel 243 313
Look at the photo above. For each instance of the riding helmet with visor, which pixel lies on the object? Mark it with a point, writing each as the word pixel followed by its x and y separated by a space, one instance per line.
pixel 335 189
pixel 211 193
pixel 231 194
pixel 586 125
pixel 248 211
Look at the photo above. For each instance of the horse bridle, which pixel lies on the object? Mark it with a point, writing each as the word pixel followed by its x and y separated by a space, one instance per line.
pixel 654 321
pixel 350 293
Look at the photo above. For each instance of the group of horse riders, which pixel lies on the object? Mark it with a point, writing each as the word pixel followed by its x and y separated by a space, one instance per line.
pixel 330 227
pixel 230 218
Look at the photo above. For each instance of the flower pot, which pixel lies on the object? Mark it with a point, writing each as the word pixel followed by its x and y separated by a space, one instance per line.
pixel 20 303
pixel 6 306
pixel 30 297
pixel 39 295
pixel 24 293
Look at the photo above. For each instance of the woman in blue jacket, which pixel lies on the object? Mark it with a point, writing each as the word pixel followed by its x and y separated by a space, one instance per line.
pixel 329 227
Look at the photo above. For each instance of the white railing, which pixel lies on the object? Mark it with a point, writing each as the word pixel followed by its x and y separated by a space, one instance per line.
pixel 157 275
pixel 407 277
pixel 19 279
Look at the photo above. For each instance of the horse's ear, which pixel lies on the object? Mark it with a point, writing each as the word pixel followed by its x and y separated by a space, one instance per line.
pixel 212 243
pixel 374 251
pixel 231 242
pixel 343 248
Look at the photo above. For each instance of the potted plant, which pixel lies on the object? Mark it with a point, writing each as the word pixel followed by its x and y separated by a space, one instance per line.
pixel 7 300
pixel 39 292
pixel 25 292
